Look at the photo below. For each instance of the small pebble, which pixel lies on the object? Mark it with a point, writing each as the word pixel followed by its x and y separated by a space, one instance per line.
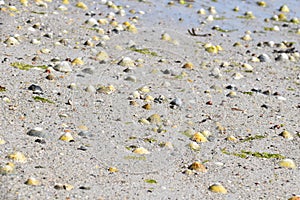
pixel 264 58
pixel 63 66
pixel 197 166
pixel 90 89
pixel 126 62
pixel 154 119
pixel 199 137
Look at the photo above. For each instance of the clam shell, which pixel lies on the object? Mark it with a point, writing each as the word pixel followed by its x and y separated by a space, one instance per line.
pixel 218 188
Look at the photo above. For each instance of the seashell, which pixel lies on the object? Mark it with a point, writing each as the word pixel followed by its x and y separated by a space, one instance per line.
pixel 246 37
pixel 295 20
pixel 247 67
pixel 201 11
pixel 8 168
pixel 11 41
pixel 77 61
pixel 154 119
pixel 261 3
pixel 24 2
pixel 218 188
pixel 212 49
pixel 212 10
pixel 206 133
pixel 67 137
pixel 264 58
pixel 188 65
pixel 102 56
pixel 231 138
pixel 194 146
pixel 91 21
pixel 17 156
pixel 238 76
pixel 141 150
pixel 144 121
pixel 231 94
pixel 144 89
pixel 32 181
pixel 113 169
pixel 197 166
pixel 63 66
pixel 126 62
pixel 90 89
pixel 216 72
pixel 166 37
pixel 296 197
pixel 284 8
pixel 2 141
pixel 210 18
pixel 147 106
pixel 35 41
pixel 149 98
pixel 249 15
pixel 199 137
pixel 236 9
pixel 106 89
pixel 286 135
pixel 62 8
pixel 66 187
pixel 282 57
pixel 81 5
pixel 36 132
pixel 287 163
pixel 130 78
pixel 131 28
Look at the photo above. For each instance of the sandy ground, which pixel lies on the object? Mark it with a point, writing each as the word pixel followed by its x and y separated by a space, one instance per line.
pixel 243 103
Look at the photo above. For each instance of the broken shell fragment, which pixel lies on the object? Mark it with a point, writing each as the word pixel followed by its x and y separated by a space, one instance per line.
pixel 63 66
pixel 284 8
pixel 81 5
pixel 287 163
pixel 67 137
pixel 218 188
pixel 32 181
pixel 197 166
pixel 17 156
pixel 77 61
pixel 141 150
pixel 199 137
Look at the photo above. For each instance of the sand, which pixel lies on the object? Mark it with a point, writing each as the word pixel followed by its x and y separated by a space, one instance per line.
pixel 243 103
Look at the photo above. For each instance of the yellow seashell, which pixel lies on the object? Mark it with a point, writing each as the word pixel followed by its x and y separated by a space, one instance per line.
pixel 297 197
pixel 81 5
pixel 77 61
pixel 18 156
pixel 166 37
pixel 194 146
pixel 247 67
pixel 211 49
pixel 141 150
pixel 113 169
pixel 131 28
pixel 231 138
pixel 126 24
pixel 218 188
pixel 149 98
pixel 188 65
pixel 67 137
pixel 286 135
pixel 102 21
pixel 199 137
pixel 147 106
pixel 65 1
pixel 246 37
pixel 9 168
pixel 197 166
pixel 24 2
pixel 284 8
pixel 154 119
pixel 144 121
pixel 32 181
pixel 2 141
pixel 287 163
pixel 261 3
pixel 144 89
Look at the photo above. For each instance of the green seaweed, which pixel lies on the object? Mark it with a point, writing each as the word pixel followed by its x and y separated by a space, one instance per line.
pixel 26 67
pixel 245 154
pixel 135 158
pixel 263 154
pixel 41 99
pixel 151 181
pixel 249 93
pixel 38 12
pixel 255 137
pixel 220 18
pixel 143 51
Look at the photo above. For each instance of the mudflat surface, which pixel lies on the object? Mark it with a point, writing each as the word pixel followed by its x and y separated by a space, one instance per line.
pixel 155 112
